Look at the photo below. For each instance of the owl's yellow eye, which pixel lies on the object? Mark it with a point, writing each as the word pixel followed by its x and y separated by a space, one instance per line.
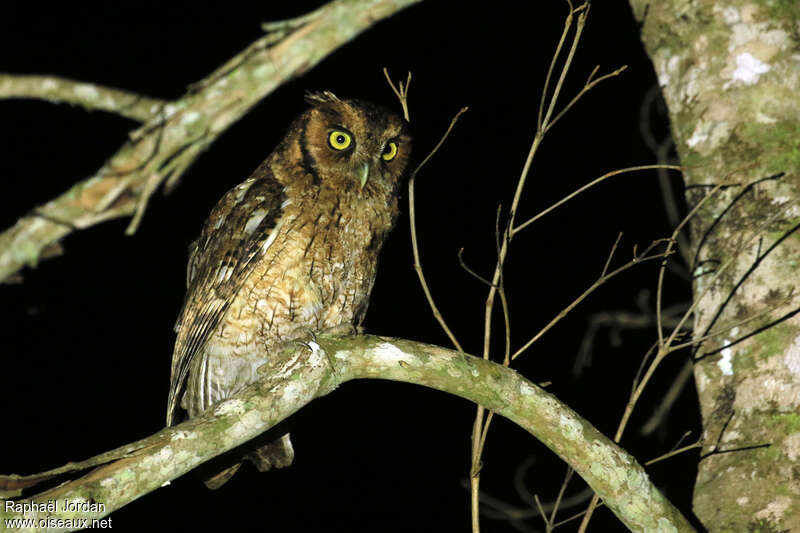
pixel 340 140
pixel 389 151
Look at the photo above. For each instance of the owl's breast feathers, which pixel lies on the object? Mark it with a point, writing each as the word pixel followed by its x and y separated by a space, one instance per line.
pixel 275 260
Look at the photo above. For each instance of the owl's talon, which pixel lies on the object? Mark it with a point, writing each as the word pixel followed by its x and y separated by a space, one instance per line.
pixel 315 348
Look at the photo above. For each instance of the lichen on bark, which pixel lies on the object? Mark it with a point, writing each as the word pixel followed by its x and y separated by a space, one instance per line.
pixel 730 74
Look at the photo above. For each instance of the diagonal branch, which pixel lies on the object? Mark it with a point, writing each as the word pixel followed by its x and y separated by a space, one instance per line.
pixel 609 470
pixel 184 128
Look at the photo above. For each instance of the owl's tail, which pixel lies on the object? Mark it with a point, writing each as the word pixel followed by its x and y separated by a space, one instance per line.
pixel 276 454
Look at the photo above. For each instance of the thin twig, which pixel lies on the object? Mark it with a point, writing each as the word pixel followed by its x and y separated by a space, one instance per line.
pixel 543 124
pixel 588 186
pixel 611 255
pixel 547 526
pixel 553 61
pixel 586 88
pixel 669 398
pixel 673 453
pixel 776 216
pixel 469 270
pixel 662 270
pixel 584 12
pixel 728 327
pixel 401 92
pixel 594 286
pixel 415 245
pixel 560 496
pixel 660 353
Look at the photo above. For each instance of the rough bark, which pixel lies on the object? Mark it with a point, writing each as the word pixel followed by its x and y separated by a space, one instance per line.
pixel 730 74
pixel 305 374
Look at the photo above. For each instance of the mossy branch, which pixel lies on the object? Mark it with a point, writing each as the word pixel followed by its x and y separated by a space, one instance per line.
pixel 305 373
pixel 90 96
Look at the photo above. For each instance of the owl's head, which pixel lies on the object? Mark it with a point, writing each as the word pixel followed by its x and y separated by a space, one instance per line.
pixel 352 144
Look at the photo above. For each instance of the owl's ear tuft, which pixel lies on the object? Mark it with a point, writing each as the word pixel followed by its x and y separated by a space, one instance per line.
pixel 324 97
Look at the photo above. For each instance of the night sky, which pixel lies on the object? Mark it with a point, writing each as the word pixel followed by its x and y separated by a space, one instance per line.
pixel 86 339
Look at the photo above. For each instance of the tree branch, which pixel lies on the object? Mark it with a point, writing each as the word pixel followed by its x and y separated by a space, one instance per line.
pixel 88 95
pixel 164 147
pixel 301 377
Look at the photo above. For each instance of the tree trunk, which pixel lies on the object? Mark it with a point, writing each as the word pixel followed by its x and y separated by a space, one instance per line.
pixel 730 74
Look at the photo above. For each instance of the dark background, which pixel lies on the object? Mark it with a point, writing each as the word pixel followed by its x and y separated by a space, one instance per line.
pixel 86 339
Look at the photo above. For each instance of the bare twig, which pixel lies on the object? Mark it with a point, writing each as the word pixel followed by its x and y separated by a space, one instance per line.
pixel 544 122
pixel 723 268
pixel 611 255
pixel 583 12
pixel 550 522
pixel 590 84
pixel 605 277
pixel 661 352
pixel 662 271
pixel 414 244
pixel 401 91
pixel 553 61
pixel 588 186
pixel 469 270
pixel 728 327
pixel 669 398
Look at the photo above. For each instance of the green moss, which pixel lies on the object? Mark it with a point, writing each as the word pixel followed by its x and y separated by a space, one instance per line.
pixel 786 422
pixel 743 361
pixel 761 526
pixel 73 192
pixel 783 10
pixel 779 142
pixel 26 253
pixel 691 158
pixel 773 340
pixel 222 424
pixel 783 227
pixel 772 453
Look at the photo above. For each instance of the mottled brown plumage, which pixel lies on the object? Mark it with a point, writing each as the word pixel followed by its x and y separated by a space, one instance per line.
pixel 291 251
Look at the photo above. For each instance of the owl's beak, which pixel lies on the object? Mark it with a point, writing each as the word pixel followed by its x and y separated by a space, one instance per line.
pixel 364 174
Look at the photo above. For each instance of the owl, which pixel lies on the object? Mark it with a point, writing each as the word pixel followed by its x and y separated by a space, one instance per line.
pixel 289 252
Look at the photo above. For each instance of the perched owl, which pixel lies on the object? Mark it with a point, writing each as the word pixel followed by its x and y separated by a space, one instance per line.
pixel 289 252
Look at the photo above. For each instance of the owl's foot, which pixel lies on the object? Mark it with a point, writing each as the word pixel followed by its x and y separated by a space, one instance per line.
pixel 275 454
pixel 340 330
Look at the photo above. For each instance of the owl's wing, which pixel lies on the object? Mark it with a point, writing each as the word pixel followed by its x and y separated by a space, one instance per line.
pixel 237 234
